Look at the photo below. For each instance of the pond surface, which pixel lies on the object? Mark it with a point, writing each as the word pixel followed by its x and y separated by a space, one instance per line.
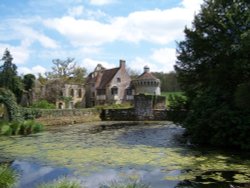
pixel 102 152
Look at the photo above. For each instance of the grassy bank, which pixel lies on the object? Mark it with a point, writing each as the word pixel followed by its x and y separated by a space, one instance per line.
pixel 20 128
pixel 167 94
pixel 8 177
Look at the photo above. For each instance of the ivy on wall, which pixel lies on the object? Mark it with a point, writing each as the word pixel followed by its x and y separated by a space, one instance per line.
pixel 9 100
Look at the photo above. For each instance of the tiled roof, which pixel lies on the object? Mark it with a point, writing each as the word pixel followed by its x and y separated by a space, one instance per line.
pixel 107 76
pixel 146 76
pixel 90 78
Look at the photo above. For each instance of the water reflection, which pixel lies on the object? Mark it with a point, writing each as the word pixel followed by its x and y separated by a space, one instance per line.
pixel 161 137
pixel 32 174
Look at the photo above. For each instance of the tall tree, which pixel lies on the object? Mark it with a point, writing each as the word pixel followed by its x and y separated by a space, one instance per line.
pixel 169 81
pixel 67 70
pixel 8 75
pixel 78 75
pixel 29 81
pixel 27 95
pixel 214 70
pixel 62 69
pixel 53 90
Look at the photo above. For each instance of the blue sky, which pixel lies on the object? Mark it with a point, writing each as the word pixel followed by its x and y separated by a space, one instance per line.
pixel 143 32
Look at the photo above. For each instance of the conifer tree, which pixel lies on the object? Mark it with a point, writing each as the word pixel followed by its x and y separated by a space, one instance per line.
pixel 8 75
pixel 213 69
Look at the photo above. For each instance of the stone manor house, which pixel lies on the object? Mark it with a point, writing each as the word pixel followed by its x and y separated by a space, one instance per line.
pixel 106 86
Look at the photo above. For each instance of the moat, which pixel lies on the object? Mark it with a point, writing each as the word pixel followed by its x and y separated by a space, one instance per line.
pixel 101 152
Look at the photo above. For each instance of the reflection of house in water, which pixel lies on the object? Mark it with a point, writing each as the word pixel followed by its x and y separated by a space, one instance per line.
pixel 146 83
pixel 108 86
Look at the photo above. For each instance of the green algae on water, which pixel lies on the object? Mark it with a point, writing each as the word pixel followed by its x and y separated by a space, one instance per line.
pixel 86 153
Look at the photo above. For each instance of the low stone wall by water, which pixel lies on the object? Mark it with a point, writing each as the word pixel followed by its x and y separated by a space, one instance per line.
pixel 146 107
pixel 67 116
pixel 131 115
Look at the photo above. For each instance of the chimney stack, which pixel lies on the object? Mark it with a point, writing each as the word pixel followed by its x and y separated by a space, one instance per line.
pixel 122 63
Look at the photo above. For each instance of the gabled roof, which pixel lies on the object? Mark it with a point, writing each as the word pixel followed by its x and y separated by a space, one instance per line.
pixel 90 78
pixel 107 76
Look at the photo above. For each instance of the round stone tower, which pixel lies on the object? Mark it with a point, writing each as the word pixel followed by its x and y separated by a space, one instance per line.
pixel 146 83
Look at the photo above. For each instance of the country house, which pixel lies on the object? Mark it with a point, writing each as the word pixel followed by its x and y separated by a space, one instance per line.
pixel 108 86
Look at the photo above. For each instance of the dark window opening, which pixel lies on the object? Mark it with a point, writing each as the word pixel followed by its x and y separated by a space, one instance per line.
pixel 129 91
pixel 114 91
pixel 72 92
pixel 101 92
pixel 79 93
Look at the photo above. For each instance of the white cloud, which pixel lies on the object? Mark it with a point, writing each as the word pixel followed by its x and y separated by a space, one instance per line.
pixel 21 29
pixel 32 35
pixel 192 4
pixel 76 11
pixel 90 64
pixel 34 70
pixel 161 60
pixel 20 53
pixel 139 63
pixel 101 2
pixel 83 32
pixel 155 26
pixel 97 14
pixel 165 58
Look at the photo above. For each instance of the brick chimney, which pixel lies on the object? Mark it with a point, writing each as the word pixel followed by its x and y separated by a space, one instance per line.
pixel 122 64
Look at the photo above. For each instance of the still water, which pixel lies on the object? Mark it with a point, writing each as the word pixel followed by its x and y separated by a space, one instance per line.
pixel 102 152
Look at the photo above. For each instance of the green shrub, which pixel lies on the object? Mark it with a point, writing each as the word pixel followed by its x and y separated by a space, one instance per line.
pixel 210 122
pixel 79 105
pixel 15 128
pixel 20 128
pixel 8 177
pixel 177 108
pixel 38 127
pixel 31 113
pixel 9 100
pixel 43 104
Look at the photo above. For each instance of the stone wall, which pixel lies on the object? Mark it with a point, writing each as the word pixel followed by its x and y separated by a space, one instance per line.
pixel 143 106
pixel 146 107
pixel 130 115
pixel 118 114
pixel 67 112
pixel 67 116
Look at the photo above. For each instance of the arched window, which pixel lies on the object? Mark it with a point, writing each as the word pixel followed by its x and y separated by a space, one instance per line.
pixel 114 90
pixel 60 105
pixel 72 92
pixel 79 93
